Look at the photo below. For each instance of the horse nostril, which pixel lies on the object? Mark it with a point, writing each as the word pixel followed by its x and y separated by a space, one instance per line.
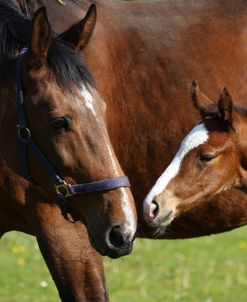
pixel 116 237
pixel 154 209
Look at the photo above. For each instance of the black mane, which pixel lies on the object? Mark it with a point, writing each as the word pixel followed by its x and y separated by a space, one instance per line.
pixel 68 68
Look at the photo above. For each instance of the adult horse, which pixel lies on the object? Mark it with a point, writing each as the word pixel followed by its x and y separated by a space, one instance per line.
pixel 143 55
pixel 211 159
pixel 56 155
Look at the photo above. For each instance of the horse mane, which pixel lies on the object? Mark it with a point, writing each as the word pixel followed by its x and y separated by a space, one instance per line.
pixel 66 65
pixel 28 7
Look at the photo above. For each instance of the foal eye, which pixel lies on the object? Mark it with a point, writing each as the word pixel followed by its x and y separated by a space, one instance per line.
pixel 61 123
pixel 206 158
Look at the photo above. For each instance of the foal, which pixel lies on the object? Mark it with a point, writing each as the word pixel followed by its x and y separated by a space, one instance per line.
pixel 211 159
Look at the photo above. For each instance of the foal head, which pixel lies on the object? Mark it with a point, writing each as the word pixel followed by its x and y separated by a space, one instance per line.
pixel 66 117
pixel 212 158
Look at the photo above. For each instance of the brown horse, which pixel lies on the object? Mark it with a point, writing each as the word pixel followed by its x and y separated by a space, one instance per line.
pixel 143 55
pixel 211 159
pixel 51 104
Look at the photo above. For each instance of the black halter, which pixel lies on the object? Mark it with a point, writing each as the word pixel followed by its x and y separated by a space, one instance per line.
pixel 63 189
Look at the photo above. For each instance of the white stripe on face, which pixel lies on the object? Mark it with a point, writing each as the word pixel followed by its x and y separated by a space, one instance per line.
pixel 197 136
pixel 125 202
pixel 128 212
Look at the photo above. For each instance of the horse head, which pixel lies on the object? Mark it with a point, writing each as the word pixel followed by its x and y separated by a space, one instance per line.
pixel 211 159
pixel 67 150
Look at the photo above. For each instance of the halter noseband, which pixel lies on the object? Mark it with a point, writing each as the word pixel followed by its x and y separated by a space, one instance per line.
pixel 63 189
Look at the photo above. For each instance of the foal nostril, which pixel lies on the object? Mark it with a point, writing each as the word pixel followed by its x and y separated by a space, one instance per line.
pixel 116 237
pixel 154 209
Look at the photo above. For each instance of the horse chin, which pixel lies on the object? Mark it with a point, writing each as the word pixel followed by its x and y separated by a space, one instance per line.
pixel 114 254
pixel 160 225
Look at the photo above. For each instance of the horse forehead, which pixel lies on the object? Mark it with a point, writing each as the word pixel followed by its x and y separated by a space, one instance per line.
pixel 219 141
pixel 92 101
pixel 196 137
pixel 88 98
pixel 218 134
pixel 48 89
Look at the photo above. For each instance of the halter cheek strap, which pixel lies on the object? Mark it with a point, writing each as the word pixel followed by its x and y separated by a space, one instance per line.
pixel 63 189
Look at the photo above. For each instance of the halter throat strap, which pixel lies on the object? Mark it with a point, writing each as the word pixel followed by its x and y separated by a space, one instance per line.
pixel 63 189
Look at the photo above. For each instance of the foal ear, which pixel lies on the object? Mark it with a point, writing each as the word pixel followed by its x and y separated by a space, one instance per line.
pixel 41 37
pixel 79 34
pixel 225 107
pixel 200 100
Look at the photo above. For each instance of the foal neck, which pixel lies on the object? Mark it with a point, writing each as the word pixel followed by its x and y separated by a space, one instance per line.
pixel 240 127
pixel 240 121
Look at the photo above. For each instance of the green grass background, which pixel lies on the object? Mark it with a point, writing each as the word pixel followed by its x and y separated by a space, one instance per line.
pixel 209 269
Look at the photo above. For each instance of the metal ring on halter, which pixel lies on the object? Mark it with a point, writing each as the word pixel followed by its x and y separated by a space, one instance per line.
pixel 24 134
pixel 64 189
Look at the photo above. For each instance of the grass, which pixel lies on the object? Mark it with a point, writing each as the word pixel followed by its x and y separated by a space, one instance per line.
pixel 210 269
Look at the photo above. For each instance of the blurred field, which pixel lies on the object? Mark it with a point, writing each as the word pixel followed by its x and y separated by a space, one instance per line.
pixel 210 269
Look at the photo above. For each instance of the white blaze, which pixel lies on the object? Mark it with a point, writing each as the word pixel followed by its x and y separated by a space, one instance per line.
pixel 125 202
pixel 197 136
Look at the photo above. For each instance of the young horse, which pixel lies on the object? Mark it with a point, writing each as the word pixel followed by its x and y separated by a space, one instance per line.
pixel 56 108
pixel 211 159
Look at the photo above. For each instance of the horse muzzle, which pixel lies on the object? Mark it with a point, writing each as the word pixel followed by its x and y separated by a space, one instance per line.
pixel 118 242
pixel 160 211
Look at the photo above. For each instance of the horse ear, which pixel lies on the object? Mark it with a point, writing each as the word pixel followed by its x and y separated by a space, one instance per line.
pixel 225 107
pixel 41 37
pixel 79 34
pixel 200 100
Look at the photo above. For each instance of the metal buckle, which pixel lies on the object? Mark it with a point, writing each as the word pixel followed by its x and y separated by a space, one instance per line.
pixel 24 134
pixel 63 189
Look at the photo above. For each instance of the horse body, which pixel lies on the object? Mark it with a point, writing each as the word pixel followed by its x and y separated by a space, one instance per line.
pixel 143 56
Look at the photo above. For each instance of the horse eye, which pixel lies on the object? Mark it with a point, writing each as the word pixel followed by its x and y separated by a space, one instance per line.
pixel 206 158
pixel 61 123
pixel 58 123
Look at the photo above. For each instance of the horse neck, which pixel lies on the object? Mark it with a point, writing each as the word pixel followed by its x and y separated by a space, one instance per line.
pixel 240 127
